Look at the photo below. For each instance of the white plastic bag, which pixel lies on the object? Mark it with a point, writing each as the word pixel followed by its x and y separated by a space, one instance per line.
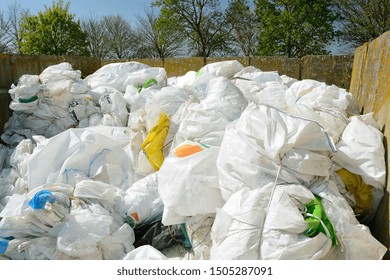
pixel 114 75
pixel 272 94
pixel 182 81
pixel 361 151
pixel 79 87
pixel 254 74
pixel 41 248
pixel 223 68
pixel 33 214
pixel 118 245
pixel 27 87
pixel 250 226
pixel 248 88
pixel 167 100
pixel 319 96
pixel 188 185
pixel 3 155
pixel 237 228
pixel 91 153
pixel 198 229
pixel 28 107
pixel 355 240
pixel 253 147
pixel 145 252
pixel 80 233
pixel 134 99
pixel 206 122
pixel 142 203
pixel 120 75
pixel 198 88
pixel 59 72
pixel 114 104
pixel 82 106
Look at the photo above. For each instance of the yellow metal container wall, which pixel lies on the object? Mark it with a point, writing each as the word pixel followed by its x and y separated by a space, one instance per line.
pixel 370 83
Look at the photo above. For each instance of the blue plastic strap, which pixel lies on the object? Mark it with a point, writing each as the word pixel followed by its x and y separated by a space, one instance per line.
pixel 4 241
pixel 40 198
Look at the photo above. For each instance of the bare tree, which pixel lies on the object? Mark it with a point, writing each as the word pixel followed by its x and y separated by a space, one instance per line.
pixel 15 14
pixel 363 20
pixel 4 38
pixel 96 36
pixel 158 41
pixel 244 29
pixel 121 38
pixel 201 21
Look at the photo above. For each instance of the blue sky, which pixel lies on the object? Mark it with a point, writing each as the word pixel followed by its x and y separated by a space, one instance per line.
pixel 129 9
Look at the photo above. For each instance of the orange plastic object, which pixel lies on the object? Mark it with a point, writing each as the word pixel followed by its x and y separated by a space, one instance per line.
pixel 187 150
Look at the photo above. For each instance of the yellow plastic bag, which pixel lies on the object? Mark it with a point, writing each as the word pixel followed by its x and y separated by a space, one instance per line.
pixel 360 190
pixel 154 142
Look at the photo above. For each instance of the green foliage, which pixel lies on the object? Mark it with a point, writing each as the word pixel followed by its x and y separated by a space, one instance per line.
pixel 53 32
pixel 294 27
pixel 201 21
pixel 363 20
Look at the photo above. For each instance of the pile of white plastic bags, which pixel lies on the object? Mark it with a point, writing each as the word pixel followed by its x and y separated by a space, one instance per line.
pixel 248 164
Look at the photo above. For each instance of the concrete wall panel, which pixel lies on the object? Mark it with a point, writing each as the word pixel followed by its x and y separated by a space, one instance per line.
pixel 284 65
pixel 180 66
pixel 330 69
pixel 6 78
